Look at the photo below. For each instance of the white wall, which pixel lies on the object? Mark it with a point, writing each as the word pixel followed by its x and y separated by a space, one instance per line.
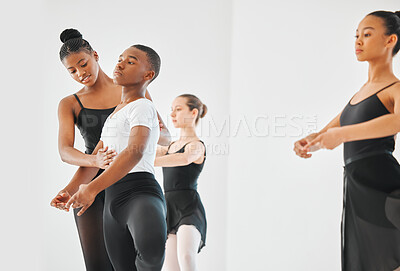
pixel 269 72
pixel 289 59
pixel 21 73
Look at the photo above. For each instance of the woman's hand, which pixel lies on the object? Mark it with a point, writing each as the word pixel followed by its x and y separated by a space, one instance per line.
pixel 104 157
pixel 61 200
pixel 328 140
pixel 299 146
pixel 84 197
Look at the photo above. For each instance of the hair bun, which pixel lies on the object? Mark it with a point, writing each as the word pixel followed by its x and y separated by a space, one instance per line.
pixel 68 34
pixel 204 111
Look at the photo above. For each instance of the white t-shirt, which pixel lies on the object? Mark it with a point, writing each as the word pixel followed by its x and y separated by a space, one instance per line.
pixel 116 130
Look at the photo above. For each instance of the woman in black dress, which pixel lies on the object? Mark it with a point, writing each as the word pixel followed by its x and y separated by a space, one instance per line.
pixel 88 109
pixel 367 127
pixel 182 163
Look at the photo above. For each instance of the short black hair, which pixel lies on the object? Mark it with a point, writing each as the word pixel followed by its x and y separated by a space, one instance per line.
pixel 392 24
pixel 73 43
pixel 152 56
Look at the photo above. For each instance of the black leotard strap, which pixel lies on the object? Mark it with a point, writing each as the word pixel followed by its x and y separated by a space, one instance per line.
pixel 187 144
pixel 195 141
pixel 386 87
pixel 169 146
pixel 205 150
pixel 374 93
pixel 191 142
pixel 79 101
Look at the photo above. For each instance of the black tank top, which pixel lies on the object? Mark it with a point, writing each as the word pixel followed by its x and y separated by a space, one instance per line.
pixel 182 177
pixel 90 123
pixel 368 109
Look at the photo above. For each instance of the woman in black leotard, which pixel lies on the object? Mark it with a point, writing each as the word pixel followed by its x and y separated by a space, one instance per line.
pixel 182 164
pixel 367 126
pixel 87 109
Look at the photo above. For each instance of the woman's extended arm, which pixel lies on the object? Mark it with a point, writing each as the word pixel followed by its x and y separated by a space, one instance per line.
pixel 192 152
pixel 82 176
pixel 161 150
pixel 382 126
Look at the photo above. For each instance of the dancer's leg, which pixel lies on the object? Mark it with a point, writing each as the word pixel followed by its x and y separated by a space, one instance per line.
pixel 119 243
pixel 147 224
pixel 189 239
pixel 171 254
pixel 90 230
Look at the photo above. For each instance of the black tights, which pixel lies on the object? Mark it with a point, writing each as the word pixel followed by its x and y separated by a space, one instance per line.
pixel 135 223
pixel 90 230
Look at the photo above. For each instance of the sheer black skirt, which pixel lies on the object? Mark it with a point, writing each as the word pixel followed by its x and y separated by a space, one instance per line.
pixel 184 207
pixel 371 214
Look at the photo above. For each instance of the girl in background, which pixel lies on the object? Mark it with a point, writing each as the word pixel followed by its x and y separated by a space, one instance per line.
pixel 182 163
